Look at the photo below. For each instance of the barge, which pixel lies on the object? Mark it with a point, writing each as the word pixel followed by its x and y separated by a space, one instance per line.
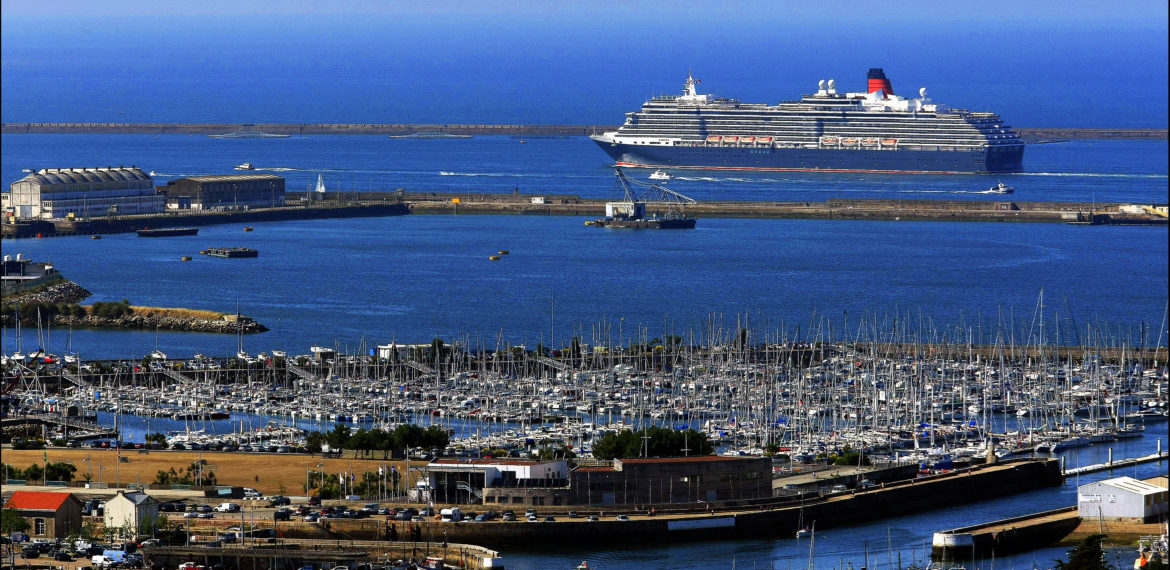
pixel 167 232
pixel 231 252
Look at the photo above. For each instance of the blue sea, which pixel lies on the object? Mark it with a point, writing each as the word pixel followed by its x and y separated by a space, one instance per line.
pixel 411 279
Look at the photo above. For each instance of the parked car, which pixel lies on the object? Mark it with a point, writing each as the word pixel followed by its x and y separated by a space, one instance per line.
pixel 279 501
pixel 622 518
pixel 314 501
pixel 573 514
pixel 227 508
pixel 282 514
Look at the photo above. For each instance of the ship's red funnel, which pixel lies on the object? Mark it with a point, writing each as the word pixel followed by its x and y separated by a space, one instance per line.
pixel 878 81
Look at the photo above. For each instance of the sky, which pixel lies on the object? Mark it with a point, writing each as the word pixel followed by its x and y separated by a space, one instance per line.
pixel 1053 63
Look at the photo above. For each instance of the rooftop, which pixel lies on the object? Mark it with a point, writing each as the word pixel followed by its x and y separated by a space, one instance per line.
pixel 691 459
pixel 1133 485
pixel 37 500
pixel 233 178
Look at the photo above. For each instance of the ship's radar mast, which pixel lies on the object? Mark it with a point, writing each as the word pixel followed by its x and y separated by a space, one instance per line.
pixel 690 93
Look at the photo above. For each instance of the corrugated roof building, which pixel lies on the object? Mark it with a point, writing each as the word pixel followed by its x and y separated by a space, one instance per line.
pixel 54 193
pixel 227 192
pixel 1122 499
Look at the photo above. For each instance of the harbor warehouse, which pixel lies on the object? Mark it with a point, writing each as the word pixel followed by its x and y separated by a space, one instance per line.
pixel 520 482
pixel 49 515
pixel 228 192
pixel 1122 499
pixel 54 193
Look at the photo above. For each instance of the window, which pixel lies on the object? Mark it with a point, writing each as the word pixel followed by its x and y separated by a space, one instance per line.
pixel 39 526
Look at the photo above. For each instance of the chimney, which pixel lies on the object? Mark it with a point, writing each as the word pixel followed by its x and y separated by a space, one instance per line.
pixel 878 82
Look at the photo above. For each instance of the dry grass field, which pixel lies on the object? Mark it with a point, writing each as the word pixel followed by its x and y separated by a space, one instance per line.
pixel 176 312
pixel 270 474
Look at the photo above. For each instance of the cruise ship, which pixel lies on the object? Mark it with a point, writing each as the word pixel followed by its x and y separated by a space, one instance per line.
pixel 870 131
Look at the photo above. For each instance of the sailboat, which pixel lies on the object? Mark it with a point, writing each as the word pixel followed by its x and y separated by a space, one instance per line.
pixel 157 354
pixel 320 185
pixel 802 530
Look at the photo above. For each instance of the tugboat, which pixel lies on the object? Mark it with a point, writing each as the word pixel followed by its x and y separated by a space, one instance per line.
pixel 660 175
pixel 1001 188
pixel 245 166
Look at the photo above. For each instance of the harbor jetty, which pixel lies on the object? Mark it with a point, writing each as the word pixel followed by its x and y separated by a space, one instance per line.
pixel 435 129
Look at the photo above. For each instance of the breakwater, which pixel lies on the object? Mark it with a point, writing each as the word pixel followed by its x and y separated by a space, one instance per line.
pixel 385 205
pixel 377 204
pixel 1030 134
pixel 834 209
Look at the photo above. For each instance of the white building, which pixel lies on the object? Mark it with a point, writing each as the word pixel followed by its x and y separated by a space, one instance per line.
pixel 1122 499
pixel 54 193
pixel 129 510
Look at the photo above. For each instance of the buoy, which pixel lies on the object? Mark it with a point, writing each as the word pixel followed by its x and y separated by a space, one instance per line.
pixel 186 258
pixel 38 235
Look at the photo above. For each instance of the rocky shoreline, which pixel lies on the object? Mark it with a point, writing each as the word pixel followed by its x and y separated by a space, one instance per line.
pixel 63 291
pixel 66 292
pixel 160 322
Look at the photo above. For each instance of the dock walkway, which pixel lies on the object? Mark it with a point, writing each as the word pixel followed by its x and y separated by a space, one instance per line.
pixel 1159 456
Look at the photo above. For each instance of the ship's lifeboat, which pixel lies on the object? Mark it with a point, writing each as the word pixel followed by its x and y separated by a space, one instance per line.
pixel 828 140
pixel 890 142
pixel 730 139
pixel 764 140
pixel 849 141
pixel 869 142
pixel 714 138
pixel 748 139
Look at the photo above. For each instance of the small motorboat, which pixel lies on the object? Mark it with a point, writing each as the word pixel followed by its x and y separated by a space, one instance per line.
pixel 247 228
pixel 660 175
pixel 1001 188
pixel 245 166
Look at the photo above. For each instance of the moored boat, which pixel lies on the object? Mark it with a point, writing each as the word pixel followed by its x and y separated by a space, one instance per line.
pixel 167 232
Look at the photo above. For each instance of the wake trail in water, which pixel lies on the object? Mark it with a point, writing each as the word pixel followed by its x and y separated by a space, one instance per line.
pixel 1090 174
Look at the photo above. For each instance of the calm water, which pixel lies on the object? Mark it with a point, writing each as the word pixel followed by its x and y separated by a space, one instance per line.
pixel 408 279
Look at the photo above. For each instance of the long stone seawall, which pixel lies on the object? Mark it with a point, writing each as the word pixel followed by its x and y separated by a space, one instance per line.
pixel 398 129
pixel 172 220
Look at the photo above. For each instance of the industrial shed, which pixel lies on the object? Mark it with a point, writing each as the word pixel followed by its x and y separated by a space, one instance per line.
pixel 1122 499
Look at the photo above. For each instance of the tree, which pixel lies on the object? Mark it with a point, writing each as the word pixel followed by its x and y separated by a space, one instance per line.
pixel 11 521
pixel 338 437
pixel 60 471
pixel 34 473
pixel 1087 555
pixel 313 441
pixel 660 442
pixel 157 438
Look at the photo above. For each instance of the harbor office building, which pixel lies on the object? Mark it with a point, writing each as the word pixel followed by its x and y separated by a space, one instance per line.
pixel 56 193
pixel 225 193
pixel 527 483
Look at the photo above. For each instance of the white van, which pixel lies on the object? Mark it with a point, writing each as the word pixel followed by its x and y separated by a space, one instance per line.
pixel 451 515
pixel 227 508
